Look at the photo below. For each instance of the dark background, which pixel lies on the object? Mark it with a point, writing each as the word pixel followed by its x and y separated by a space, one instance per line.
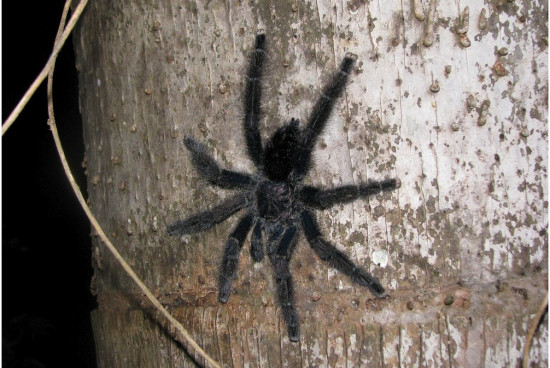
pixel 46 247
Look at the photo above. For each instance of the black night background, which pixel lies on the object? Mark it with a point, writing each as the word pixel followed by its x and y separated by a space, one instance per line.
pixel 46 257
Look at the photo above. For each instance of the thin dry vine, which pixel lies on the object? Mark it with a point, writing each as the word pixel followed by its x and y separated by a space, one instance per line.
pixel 532 329
pixel 48 70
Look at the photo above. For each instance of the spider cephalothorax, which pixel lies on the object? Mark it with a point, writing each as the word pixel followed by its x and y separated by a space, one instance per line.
pixel 276 203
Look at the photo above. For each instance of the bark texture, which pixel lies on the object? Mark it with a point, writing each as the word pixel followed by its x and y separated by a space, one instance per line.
pixel 454 105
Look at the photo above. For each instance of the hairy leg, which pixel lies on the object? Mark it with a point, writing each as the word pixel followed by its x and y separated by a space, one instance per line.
pixel 230 261
pixel 256 243
pixel 280 259
pixel 328 253
pixel 252 100
pixel 205 220
pixel 326 198
pixel 320 114
pixel 209 169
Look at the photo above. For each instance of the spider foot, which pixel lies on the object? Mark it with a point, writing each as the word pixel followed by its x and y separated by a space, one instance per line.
pixel 293 323
pixel 378 290
pixel 351 56
pixel 176 228
pixel 364 278
pixel 294 333
pixel 389 184
pixel 224 291
pixel 397 183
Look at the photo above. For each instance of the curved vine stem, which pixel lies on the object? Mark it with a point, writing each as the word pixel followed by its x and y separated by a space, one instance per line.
pixel 60 41
pixel 47 71
pixel 532 329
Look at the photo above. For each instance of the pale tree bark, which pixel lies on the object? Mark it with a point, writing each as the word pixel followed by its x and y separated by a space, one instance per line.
pixel 454 105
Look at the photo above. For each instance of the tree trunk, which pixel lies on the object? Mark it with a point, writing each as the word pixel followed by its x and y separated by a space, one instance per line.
pixel 461 246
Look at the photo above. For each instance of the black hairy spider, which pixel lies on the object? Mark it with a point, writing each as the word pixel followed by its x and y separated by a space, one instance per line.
pixel 275 201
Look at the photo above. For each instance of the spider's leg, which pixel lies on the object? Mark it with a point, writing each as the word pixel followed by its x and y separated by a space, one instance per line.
pixel 209 169
pixel 252 100
pixel 326 198
pixel 203 221
pixel 230 261
pixel 320 114
pixel 330 254
pixel 280 255
pixel 256 243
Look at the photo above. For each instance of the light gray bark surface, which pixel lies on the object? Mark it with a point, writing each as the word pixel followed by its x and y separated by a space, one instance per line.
pixel 461 246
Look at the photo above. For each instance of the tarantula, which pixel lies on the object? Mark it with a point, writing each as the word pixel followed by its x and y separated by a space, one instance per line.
pixel 275 201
